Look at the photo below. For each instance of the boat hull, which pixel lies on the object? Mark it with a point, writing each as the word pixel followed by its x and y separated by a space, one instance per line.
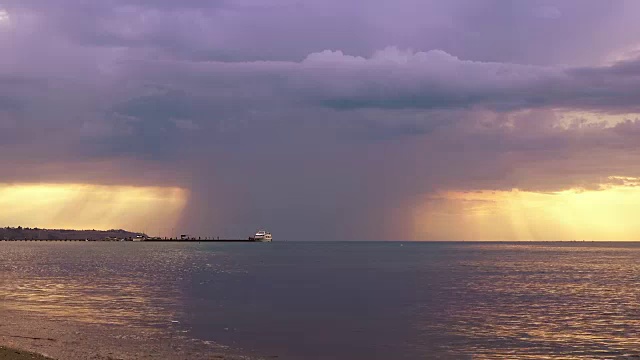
pixel 261 239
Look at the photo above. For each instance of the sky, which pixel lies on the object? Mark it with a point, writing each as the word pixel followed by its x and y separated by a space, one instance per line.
pixel 323 120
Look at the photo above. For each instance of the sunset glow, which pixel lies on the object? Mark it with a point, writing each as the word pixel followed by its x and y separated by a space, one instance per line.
pixel 154 210
pixel 573 214
pixel 374 129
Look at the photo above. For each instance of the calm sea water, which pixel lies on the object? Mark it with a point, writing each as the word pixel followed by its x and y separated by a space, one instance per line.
pixel 346 300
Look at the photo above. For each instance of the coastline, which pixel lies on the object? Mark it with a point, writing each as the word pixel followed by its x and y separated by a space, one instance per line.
pixel 29 335
pixel 15 354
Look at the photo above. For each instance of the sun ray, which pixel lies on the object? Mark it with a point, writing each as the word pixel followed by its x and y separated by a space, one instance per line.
pixel 83 206
pixel 607 213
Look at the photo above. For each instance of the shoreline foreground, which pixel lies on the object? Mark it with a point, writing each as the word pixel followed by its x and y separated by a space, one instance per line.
pixel 15 354
pixel 28 335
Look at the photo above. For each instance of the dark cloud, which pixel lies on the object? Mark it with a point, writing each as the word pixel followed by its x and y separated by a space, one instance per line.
pixel 7 103
pixel 393 79
pixel 299 117
pixel 534 32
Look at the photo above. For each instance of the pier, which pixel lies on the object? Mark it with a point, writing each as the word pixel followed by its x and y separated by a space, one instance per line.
pixel 169 240
pixel 63 235
pixel 202 240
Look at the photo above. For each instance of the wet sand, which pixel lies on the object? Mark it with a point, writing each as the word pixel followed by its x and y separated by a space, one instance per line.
pixel 12 354
pixel 63 339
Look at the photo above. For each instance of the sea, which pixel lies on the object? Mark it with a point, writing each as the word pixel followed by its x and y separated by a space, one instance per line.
pixel 344 300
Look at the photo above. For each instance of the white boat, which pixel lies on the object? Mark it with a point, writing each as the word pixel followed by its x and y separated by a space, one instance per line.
pixel 139 238
pixel 263 236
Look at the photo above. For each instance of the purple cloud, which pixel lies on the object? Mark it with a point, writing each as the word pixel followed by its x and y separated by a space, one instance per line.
pixel 327 97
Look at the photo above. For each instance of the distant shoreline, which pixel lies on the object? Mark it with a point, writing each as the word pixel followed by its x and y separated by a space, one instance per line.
pixel 249 240
pixel 20 233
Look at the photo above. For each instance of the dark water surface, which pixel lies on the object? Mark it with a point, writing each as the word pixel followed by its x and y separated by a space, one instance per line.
pixel 346 300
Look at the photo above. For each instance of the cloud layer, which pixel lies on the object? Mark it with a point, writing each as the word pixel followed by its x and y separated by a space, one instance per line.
pixel 334 116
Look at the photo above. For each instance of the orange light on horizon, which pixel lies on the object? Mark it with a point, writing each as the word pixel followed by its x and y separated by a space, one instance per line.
pixel 154 210
pixel 608 213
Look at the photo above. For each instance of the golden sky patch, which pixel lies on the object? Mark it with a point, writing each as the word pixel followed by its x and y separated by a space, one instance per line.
pixel 570 119
pixel 609 213
pixel 154 210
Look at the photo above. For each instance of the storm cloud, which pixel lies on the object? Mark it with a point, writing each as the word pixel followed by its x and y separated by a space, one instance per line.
pixel 333 117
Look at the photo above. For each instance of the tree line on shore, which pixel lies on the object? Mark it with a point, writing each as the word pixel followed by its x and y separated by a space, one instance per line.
pixel 26 233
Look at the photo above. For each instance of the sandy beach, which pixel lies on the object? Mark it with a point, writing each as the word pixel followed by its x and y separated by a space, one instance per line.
pixel 53 339
pixel 13 354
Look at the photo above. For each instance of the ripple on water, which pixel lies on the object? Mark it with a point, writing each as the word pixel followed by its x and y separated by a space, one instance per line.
pixel 346 301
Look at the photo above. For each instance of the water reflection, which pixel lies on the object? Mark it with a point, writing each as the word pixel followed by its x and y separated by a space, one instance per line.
pixel 115 284
pixel 113 302
pixel 347 301
pixel 544 302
